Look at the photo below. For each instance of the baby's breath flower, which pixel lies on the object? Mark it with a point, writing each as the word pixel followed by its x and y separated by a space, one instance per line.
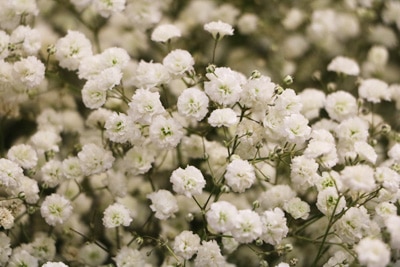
pixel 209 254
pixel 193 103
pixel 56 209
pixel 165 32
pixel 164 204
pixel 344 65
pixel 116 215
pixel 129 257
pixel 372 252
pixel 218 29
pixel 189 181
pixel 240 175
pixel 186 244
pixel 221 217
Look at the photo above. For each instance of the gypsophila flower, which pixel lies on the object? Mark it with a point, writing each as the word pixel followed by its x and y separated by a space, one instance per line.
pixel 193 103
pixel 247 23
pixel 92 255
pixel 257 92
pixel 164 204
pixel 165 32
pixel 145 105
pixel 10 174
pixel 344 65
pixel 276 196
pixel 178 62
pixel 29 39
pixel 295 128
pixel 303 172
pixel 248 226
pixel 372 252
pixel 4 41
pixel 6 218
pixel 43 247
pixel 218 29
pixel 223 117
pixel 120 128
pixel 297 208
pixel 352 130
pixel 312 100
pixel 116 215
pixel 165 132
pixel 72 48
pixel 274 227
pixel 221 217
pixel 189 181
pixel 389 179
pixel 365 151
pixel 392 224
pixel 341 105
pixel 288 102
pixel 108 7
pixel 352 225
pixel 374 90
pixel 30 188
pixel 240 175
pixel 138 160
pixel 44 141
pixel 54 264
pixel 209 254
pixel 56 209
pixel 329 201
pixel 22 257
pixel 5 250
pixel 129 257
pixel 358 178
pixel 28 72
pixel 71 168
pixel 51 173
pixel 95 159
pixel 94 94
pixel 186 244
pixel 149 75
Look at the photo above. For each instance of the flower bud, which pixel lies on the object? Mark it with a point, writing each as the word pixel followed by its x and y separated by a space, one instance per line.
pixel 288 79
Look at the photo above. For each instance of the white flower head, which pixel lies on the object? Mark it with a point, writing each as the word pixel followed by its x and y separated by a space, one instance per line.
pixel 29 39
pixel 248 23
pixel 240 175
pixel 341 105
pixel 129 257
pixel 374 90
pixel 221 217
pixel 223 117
pixel 165 132
pixel 372 252
pixel 10 174
pixel 274 227
pixel 22 257
pixel 165 32
pixel 24 155
pixel 224 86
pixel 392 224
pixel 358 178
pixel 108 7
pixel 71 168
pixel 116 215
pixel 54 264
pixel 178 62
pixel 193 103
pixel 186 244
pixel 328 201
pixel 248 226
pixel 149 75
pixel 138 160
pixel 295 128
pixel 351 226
pixel 51 173
pixel 344 65
pixel 72 48
pixel 288 102
pixel 209 254
pixel 189 181
pixel 28 72
pixel 6 218
pixel 120 128
pixel 312 100
pixel 297 208
pixel 94 94
pixel 56 209
pixel 257 92
pixel 218 29
pixel 145 105
pixel 303 172
pixel 276 196
pixel 164 204
pixel 95 159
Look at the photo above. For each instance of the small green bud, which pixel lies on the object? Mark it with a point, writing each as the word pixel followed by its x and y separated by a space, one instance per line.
pixel 288 79
pixel 211 68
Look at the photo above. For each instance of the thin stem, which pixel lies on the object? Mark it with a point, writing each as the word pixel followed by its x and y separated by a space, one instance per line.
pixel 117 237
pixel 214 50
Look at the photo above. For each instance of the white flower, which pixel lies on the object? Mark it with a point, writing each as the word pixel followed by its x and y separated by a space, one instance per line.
pixel 178 62
pixel 189 181
pixel 240 175
pixel 352 225
pixel 114 57
pixel 165 132
pixel 120 128
pixel 295 128
pixel 4 41
pixel 28 72
pixel 374 90
pixel 22 257
pixel 378 55
pixel 257 92
pixel 116 215
pixel 28 38
pixel 218 29
pixel 328 200
pixel 276 196
pixel 164 204
pixel 54 264
pixel 344 65
pixel 392 224
pixel 288 103
pixel 186 244
pixel 71 49
pixel 209 254
pixel 149 75
pixel 282 264
pixel 43 247
pixel 30 188
pixel 224 86
pixel 193 103
pixel 6 218
pixel 297 208
pixel 5 250
pixel 341 105
pixel 274 227
pixel 372 252
pixel 221 217
pixel 95 159
pixel 71 168
pixel 394 152
pixel 248 226
pixel 312 100
pixel 10 174
pixel 107 7
pixel 365 151
pixel 165 32
pixel 223 117
pixel 358 178
pixel 24 155
pixel 303 172
pixel 51 173
pixel 56 209
pixel 389 178
pixel 94 94
pixel 144 106
pixel 352 130
pixel 129 257
pixel 138 160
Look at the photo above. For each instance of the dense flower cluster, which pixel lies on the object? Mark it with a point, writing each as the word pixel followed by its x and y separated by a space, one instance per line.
pixel 199 133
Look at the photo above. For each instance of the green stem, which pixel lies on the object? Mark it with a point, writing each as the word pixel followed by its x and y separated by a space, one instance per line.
pixel 214 50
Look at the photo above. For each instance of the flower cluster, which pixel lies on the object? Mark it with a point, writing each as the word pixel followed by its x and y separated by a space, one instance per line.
pixel 199 133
